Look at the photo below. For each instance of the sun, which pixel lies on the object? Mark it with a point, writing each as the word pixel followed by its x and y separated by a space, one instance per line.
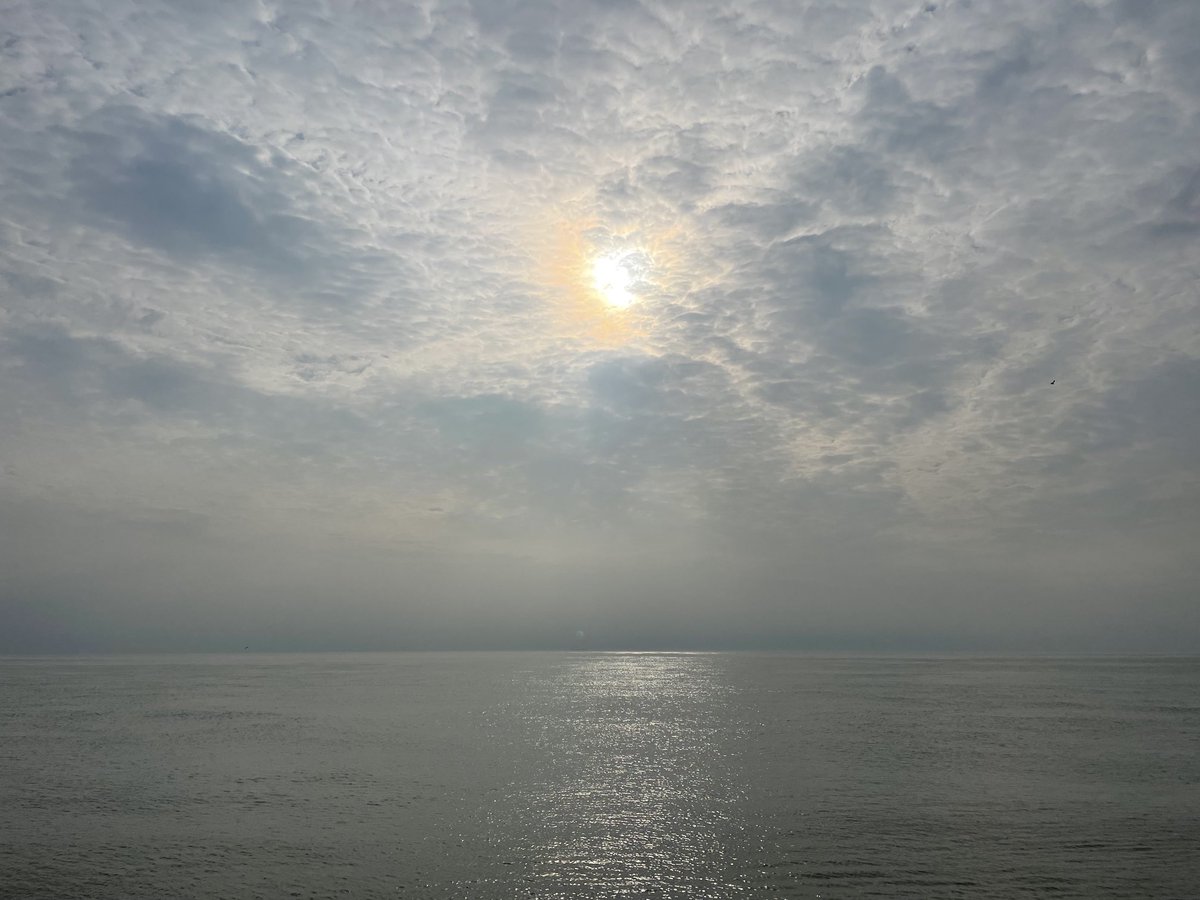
pixel 612 278
pixel 600 284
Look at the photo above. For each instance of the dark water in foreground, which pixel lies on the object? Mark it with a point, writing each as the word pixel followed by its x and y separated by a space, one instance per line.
pixel 599 775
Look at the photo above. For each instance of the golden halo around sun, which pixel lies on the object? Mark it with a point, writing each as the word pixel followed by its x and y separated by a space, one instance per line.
pixel 602 283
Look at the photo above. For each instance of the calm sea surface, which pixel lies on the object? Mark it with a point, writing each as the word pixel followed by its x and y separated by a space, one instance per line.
pixel 598 775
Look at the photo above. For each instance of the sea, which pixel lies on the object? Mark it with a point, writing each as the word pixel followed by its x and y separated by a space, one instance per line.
pixel 599 775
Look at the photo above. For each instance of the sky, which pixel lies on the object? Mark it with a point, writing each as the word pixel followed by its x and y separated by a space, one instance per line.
pixel 501 324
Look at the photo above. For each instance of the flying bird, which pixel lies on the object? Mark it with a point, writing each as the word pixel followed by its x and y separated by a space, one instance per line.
pixel 1052 381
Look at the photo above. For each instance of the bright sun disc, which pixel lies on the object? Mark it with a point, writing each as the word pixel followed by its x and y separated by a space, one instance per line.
pixel 611 277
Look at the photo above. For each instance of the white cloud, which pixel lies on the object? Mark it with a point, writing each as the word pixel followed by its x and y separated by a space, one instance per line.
pixel 303 277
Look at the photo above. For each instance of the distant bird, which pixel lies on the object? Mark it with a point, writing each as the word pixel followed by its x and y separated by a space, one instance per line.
pixel 1052 381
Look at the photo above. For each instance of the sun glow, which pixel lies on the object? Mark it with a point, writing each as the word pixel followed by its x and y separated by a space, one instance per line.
pixel 602 285
pixel 612 278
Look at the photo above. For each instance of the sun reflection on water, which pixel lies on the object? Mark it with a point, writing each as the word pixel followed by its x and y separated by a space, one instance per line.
pixel 637 801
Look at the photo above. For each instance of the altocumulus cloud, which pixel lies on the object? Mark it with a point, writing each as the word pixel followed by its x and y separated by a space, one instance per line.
pixel 298 346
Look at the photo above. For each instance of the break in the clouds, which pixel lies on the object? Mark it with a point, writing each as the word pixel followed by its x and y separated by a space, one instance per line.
pixel 302 344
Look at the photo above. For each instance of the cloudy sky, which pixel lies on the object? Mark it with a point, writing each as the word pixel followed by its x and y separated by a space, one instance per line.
pixel 630 323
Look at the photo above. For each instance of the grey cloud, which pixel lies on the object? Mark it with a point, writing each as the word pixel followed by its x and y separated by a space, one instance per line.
pixel 1173 25
pixel 1180 215
pixel 850 180
pixel 491 425
pixel 83 372
pixel 1158 412
pixel 685 182
pixel 71 379
pixel 186 190
pixel 195 193
pixel 300 297
pixel 874 337
pixel 900 124
pixel 765 221
pixel 818 276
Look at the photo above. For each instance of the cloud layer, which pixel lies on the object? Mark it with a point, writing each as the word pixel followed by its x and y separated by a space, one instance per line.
pixel 296 343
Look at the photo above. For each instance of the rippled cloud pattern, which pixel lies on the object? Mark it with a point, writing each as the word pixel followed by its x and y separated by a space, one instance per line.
pixel 302 341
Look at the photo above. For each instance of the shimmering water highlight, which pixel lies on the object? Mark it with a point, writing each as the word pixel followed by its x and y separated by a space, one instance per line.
pixel 598 775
